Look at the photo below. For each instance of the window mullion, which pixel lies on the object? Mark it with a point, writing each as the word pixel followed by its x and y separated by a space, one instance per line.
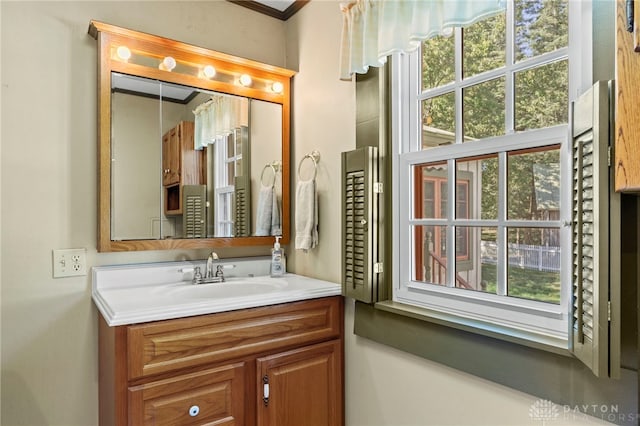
pixel 458 85
pixel 503 252
pixel 451 237
pixel 509 75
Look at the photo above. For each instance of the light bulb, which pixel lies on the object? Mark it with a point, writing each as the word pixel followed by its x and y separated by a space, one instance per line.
pixel 277 87
pixel 245 80
pixel 209 71
pixel 123 53
pixel 167 64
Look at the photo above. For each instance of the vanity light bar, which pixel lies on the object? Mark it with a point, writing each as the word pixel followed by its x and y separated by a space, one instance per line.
pixel 208 72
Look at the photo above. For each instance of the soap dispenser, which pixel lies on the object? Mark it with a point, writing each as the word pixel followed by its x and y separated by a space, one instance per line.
pixel 277 259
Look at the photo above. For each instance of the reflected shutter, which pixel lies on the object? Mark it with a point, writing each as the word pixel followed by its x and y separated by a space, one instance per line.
pixel 193 217
pixel 241 217
pixel 595 266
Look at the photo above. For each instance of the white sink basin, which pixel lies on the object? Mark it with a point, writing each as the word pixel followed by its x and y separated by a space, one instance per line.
pixel 231 288
pixel 129 294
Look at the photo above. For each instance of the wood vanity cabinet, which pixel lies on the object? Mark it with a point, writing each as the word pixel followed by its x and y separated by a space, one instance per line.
pixel 181 165
pixel 215 369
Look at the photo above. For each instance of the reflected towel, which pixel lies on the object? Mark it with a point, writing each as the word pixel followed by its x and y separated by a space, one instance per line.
pixel 265 210
pixel 306 215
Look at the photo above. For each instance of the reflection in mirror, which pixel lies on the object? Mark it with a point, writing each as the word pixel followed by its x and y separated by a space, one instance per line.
pixel 192 163
pixel 193 145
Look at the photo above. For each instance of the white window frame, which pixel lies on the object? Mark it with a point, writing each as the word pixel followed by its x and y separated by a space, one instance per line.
pixel 223 188
pixel 530 320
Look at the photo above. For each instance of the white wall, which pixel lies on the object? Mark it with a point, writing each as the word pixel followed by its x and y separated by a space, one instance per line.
pixel 384 386
pixel 48 177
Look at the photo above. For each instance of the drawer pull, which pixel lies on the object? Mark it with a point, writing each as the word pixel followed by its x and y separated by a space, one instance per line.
pixel 194 410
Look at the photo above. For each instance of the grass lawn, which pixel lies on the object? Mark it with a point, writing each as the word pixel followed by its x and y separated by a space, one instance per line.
pixel 526 283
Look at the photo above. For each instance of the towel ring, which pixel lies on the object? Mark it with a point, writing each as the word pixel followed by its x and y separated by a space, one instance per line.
pixel 315 158
pixel 266 167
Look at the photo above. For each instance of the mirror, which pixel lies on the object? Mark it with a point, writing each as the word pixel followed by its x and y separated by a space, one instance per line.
pixel 224 175
pixel 193 145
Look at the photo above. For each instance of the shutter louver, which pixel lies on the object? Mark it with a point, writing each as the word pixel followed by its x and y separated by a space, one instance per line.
pixel 359 224
pixel 354 215
pixel 193 218
pixel 241 217
pixel 594 273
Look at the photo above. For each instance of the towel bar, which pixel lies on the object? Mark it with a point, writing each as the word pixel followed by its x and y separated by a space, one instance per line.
pixel 315 158
pixel 271 166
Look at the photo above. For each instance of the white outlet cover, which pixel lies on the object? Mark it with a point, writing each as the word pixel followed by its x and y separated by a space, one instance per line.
pixel 69 262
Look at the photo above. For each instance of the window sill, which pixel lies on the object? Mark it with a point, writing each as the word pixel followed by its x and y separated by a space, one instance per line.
pixel 512 335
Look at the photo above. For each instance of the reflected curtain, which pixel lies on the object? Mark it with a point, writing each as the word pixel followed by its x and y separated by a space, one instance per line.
pixel 374 29
pixel 218 117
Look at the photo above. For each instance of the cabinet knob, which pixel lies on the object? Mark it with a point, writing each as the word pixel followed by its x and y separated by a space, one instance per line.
pixel 194 410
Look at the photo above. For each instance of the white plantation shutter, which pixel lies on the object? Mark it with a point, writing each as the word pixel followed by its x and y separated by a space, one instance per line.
pixel 595 270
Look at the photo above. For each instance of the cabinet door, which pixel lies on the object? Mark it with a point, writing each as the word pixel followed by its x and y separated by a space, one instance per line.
pixel 212 396
pixel 171 157
pixel 304 387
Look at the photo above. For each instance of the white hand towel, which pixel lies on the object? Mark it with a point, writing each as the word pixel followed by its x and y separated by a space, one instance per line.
pixel 306 215
pixel 276 226
pixel 265 211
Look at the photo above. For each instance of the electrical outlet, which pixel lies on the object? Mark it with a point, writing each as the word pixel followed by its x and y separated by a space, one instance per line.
pixel 69 262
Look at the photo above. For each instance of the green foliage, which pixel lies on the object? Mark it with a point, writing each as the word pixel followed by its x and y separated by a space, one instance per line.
pixel 541 94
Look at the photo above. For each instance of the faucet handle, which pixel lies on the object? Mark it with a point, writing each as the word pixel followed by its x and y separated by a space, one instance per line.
pixel 214 255
pixel 197 275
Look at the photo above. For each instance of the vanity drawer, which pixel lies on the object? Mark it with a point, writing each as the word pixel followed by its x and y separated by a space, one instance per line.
pixel 166 346
pixel 213 396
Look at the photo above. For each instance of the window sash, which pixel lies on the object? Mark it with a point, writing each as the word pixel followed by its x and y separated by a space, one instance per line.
pixel 540 321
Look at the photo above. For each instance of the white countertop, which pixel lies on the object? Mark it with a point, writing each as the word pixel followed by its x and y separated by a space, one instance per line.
pixel 130 294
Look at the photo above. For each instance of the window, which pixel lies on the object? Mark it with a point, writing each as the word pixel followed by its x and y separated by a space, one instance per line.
pixel 483 173
pixel 229 155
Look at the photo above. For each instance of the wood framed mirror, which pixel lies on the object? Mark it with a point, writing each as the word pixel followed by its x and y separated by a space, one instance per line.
pixel 193 145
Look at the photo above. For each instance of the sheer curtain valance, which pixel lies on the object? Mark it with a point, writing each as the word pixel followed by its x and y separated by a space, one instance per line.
pixel 374 29
pixel 218 117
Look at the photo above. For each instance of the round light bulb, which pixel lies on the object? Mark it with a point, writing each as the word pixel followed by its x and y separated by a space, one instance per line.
pixel 245 80
pixel 123 53
pixel 209 71
pixel 277 87
pixel 168 63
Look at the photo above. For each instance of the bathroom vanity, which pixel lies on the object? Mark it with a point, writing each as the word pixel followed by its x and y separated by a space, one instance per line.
pixel 252 350
pixel 248 351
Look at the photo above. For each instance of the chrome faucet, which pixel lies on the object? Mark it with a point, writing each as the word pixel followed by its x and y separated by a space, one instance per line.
pixel 209 272
pixel 209 275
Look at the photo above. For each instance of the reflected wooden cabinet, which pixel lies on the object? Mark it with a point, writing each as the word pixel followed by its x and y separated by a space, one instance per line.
pixel 181 165
pixel 211 369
